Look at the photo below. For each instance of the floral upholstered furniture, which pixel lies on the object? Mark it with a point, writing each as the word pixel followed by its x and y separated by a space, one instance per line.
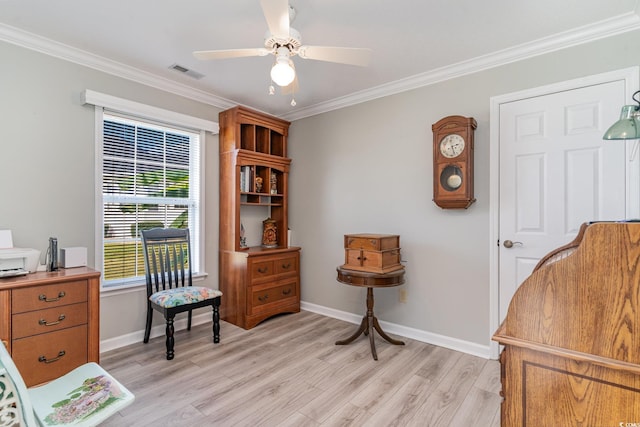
pixel 84 397
pixel 167 257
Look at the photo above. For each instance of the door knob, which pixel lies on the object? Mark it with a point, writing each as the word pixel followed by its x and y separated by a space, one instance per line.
pixel 509 244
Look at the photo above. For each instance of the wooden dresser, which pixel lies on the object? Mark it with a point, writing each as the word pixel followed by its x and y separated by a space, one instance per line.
pixel 572 335
pixel 273 279
pixel 50 321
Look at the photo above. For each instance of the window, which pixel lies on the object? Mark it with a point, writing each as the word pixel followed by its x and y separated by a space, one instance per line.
pixel 148 174
pixel 150 178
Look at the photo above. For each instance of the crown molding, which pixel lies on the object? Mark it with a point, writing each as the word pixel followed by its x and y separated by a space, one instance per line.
pixel 65 52
pixel 588 33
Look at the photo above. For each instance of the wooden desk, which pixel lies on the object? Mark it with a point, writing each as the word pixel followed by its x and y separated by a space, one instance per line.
pixel 572 347
pixel 370 321
pixel 50 321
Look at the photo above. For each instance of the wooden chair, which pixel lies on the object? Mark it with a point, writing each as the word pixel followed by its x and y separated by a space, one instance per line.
pixel 84 397
pixel 167 256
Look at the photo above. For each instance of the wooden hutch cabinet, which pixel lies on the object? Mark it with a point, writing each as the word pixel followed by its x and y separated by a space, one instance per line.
pixel 259 276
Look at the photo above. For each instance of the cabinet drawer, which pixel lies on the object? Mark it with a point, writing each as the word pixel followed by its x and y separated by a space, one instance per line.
pixel 265 295
pixel 373 242
pixel 41 297
pixel 273 267
pixel 49 320
pixel 261 269
pixel 286 265
pixel 41 358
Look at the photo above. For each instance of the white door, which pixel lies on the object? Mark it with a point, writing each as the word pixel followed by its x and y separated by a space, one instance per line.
pixel 556 172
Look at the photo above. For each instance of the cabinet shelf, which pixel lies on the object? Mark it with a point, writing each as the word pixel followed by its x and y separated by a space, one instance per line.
pixel 261 199
pixel 249 193
pixel 261 139
pixel 259 203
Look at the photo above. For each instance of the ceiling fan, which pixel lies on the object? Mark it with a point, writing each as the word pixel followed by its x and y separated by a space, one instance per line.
pixel 284 42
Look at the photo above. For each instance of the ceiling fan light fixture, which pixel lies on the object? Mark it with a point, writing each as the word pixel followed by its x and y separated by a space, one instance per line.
pixel 283 73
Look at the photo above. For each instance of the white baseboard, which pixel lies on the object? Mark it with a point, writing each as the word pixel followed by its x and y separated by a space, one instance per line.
pixel 156 331
pixel 405 331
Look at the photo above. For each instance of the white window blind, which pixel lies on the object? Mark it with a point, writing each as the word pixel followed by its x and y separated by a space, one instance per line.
pixel 150 178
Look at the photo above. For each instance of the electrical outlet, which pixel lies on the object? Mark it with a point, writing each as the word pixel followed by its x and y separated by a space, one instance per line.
pixel 402 295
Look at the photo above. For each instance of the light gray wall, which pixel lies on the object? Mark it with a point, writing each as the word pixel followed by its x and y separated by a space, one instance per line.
pixel 47 152
pixel 368 168
pixel 365 168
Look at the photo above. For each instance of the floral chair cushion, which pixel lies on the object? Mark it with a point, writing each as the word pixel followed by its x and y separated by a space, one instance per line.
pixel 183 295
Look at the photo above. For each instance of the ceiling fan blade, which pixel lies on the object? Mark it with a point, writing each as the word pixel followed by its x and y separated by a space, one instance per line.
pixel 276 12
pixel 342 55
pixel 230 53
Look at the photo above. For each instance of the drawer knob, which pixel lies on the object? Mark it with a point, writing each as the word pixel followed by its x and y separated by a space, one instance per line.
pixel 286 291
pixel 45 360
pixel 262 270
pixel 43 297
pixel 45 323
pixel 263 298
pixel 286 266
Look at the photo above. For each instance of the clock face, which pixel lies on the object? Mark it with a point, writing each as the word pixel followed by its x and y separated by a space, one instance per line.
pixel 451 145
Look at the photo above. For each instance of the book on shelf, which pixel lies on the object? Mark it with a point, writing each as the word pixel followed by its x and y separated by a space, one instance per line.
pixel 245 179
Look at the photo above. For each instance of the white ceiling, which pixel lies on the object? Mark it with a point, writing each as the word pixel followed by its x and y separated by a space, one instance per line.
pixel 414 42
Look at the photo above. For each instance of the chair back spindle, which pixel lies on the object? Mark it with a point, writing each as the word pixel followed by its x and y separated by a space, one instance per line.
pixel 168 259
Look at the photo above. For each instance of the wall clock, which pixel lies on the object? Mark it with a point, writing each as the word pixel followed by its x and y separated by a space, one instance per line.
pixel 453 162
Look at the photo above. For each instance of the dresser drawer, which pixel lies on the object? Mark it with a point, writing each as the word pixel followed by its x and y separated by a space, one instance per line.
pixel 273 267
pixel 47 296
pixel 48 320
pixel 286 265
pixel 264 296
pixel 41 358
pixel 261 269
pixel 373 242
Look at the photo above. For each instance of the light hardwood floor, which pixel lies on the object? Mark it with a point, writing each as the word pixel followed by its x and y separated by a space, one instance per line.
pixel 288 372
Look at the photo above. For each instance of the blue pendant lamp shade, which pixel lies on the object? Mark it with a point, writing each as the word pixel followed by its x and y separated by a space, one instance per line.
pixel 628 127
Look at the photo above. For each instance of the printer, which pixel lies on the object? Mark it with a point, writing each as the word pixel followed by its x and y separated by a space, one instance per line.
pixel 18 261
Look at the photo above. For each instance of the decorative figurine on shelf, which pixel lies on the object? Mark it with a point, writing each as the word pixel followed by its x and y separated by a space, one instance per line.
pixel 243 240
pixel 274 184
pixel 269 233
pixel 258 184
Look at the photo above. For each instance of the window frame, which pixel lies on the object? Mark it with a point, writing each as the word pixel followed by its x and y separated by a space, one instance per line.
pixel 153 115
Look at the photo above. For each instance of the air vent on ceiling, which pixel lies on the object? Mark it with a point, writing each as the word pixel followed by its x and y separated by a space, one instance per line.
pixel 184 70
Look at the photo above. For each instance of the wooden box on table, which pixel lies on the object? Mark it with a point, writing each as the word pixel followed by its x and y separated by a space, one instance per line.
pixel 374 253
